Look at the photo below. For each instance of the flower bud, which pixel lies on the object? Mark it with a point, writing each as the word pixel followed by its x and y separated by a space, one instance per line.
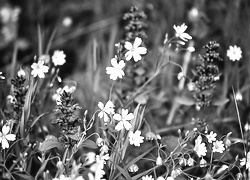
pixel 133 168
pixel 158 161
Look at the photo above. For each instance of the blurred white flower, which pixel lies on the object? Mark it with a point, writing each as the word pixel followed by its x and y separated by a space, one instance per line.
pixel 211 137
pixel 180 75
pixel 99 142
pixel 115 71
pixel 134 50
pixel 1 77
pixel 67 21
pixel 191 49
pixel 158 161
pixel 238 96
pixel 57 96
pixel 247 127
pixel 190 161
pixel 106 110
pixel 246 161
pixel 170 178
pixel 200 148
pixel 21 72
pixel 135 138
pixel 90 159
pixel 176 172
pixel 58 58
pixel 133 168
pixel 5 137
pixel 123 119
pixel 234 53
pixel 147 177
pixel 180 32
pixel 203 163
pixel 218 146
pixel 39 69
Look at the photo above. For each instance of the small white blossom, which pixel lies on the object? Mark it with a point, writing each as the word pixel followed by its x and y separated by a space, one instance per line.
pixel 234 53
pixel 238 96
pixel 90 159
pixel 1 77
pixel 211 137
pixel 133 168
pixel 180 75
pixel 147 177
pixel 190 161
pixel 170 178
pixel 218 146
pixel 21 72
pixel 203 163
pixel 123 119
pixel 160 178
pixel 191 49
pixel 115 71
pixel 67 21
pixel 39 69
pixel 180 32
pixel 176 172
pixel 99 142
pixel 58 58
pixel 134 50
pixel 158 161
pixel 246 161
pixel 5 137
pixel 200 148
pixel 247 127
pixel 135 138
pixel 106 110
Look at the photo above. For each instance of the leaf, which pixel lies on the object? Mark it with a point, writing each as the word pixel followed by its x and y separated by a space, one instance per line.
pixel 124 172
pixel 23 176
pixel 185 100
pixel 220 102
pixel 49 143
pixel 41 169
pixel 89 143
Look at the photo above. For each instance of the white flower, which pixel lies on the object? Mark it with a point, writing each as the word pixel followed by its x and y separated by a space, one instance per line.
pixel 170 178
pixel 238 96
pixel 180 32
pixel 99 142
pixel 1 77
pixel 160 178
pixel 158 161
pixel 203 163
pixel 247 127
pixel 116 71
pixel 190 161
pixel 90 159
pixel 234 53
pixel 97 167
pixel 67 21
pixel 147 177
pixel 180 75
pixel 191 49
pixel 135 138
pixel 21 72
pixel 200 148
pixel 133 168
pixel 246 161
pixel 211 137
pixel 218 146
pixel 176 172
pixel 39 69
pixel 123 119
pixel 5 137
pixel 134 50
pixel 58 58
pixel 106 110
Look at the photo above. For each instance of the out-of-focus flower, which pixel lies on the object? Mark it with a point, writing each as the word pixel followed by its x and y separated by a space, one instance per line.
pixel 190 161
pixel 133 168
pixel 39 69
pixel 104 149
pixel 211 137
pixel 44 58
pixel 170 178
pixel 8 14
pixel 191 86
pixel 115 71
pixel 234 53
pixel 200 148
pixel 191 49
pixel 134 50
pixel 182 161
pixel 123 119
pixel 58 58
pixel 5 136
pixel 176 172
pixel 90 159
pixel 160 178
pixel 247 127
pixel 193 14
pixel 158 161
pixel 99 142
pixel 180 76
pixel 147 177
pixel 106 110
pixel 135 138
pixel 238 96
pixel 203 163
pixel 1 76
pixel 150 136
pixel 67 21
pixel 180 32
pixel 218 146
pixel 246 161
pixel 21 72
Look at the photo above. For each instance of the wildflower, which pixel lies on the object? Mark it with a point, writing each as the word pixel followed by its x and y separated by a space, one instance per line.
pixel 159 161
pixel 191 86
pixel 134 50
pixel 133 168
pixel 99 142
pixel 5 137
pixel 247 127
pixel 39 69
pixel 191 49
pixel 104 149
pixel 180 32
pixel 147 177
pixel 211 137
pixel 238 96
pixel 234 53
pixel 218 146
pixel 150 136
pixel 99 165
pixel 90 159
pixel 190 161
pixel 135 138
pixel 161 178
pixel 20 73
pixel 246 161
pixel 123 119
pixel 1 77
pixel 170 178
pixel 106 110
pixel 58 58
pixel 203 163
pixel 59 165
pixel 176 172
pixel 180 76
pixel 115 71
pixel 67 21
pixel 182 161
pixel 200 148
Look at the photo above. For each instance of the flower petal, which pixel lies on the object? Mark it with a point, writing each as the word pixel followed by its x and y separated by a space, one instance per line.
pixel 114 62
pixel 119 126
pixel 127 125
pixel 5 143
pixel 10 137
pixel 136 56
pixel 100 105
pixel 117 117
pixel 128 45
pixel 141 50
pixel 100 114
pixel 130 116
pixel 128 55
pixel 121 64
pixel 137 42
pixel 5 129
pixel 124 112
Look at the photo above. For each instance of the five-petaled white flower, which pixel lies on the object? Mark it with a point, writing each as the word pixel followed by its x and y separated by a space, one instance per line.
pixel 218 146
pixel 211 137
pixel 134 50
pixel 200 148
pixel 106 110
pixel 234 53
pixel 123 119
pixel 180 32
pixel 116 71
pixel 135 138
pixel 58 58
pixel 5 137
pixel 147 177
pixel 39 69
pixel 246 161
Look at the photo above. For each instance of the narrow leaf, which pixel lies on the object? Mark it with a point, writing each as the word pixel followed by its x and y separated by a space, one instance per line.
pixel 185 100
